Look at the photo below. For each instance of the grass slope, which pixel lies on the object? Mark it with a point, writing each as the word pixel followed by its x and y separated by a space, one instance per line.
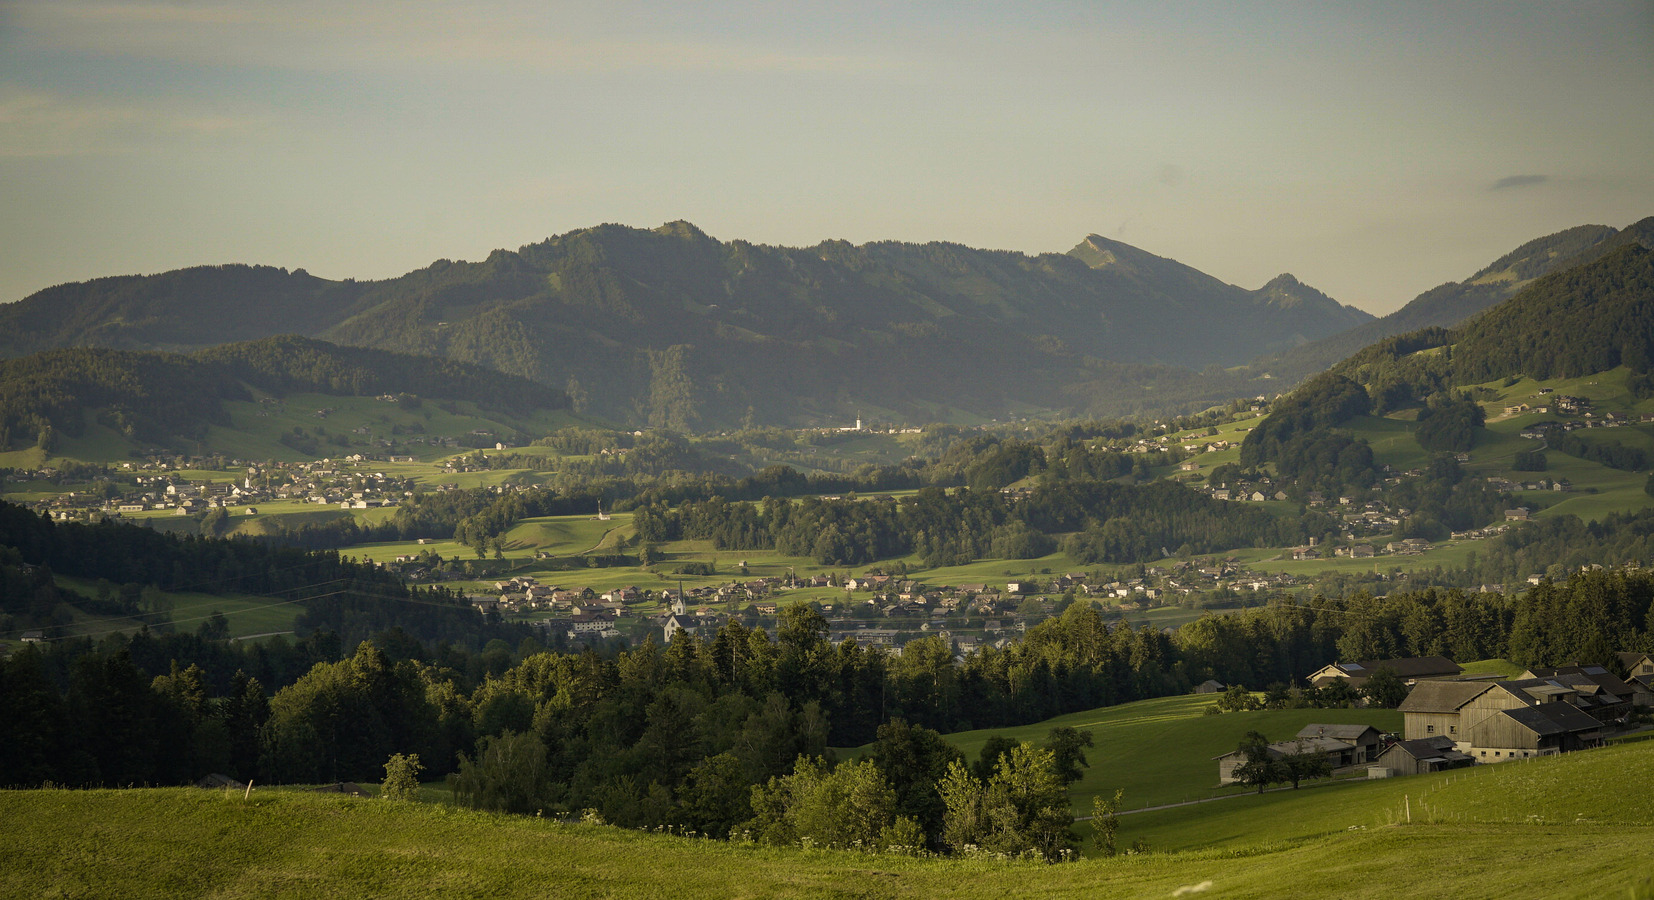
pixel 1585 789
pixel 1183 739
pixel 183 842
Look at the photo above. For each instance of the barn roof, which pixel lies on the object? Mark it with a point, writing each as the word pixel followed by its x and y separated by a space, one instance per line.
pixel 1441 696
pixel 1415 666
pixel 1349 732
pixel 1553 718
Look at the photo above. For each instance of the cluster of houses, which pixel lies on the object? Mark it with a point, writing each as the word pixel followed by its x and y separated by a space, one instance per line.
pixel 1451 719
pixel 1567 405
pixel 1579 407
pixel 1559 485
pixel 907 606
pixel 322 482
pixel 186 497
pixel 524 593
pixel 584 612
pixel 876 609
pixel 921 609
pixel 1405 547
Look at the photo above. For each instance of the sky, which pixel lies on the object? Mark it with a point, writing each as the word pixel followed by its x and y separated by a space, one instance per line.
pixel 1374 150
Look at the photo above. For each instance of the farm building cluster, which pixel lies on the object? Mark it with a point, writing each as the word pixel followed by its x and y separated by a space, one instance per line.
pixel 1452 719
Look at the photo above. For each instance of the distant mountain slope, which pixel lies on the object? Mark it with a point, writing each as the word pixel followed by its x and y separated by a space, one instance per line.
pixel 1584 320
pixel 1286 312
pixel 161 398
pixel 1450 304
pixel 672 327
pixel 1581 321
pixel 185 309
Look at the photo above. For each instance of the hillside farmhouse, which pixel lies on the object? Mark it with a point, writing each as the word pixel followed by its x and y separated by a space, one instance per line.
pixel 1410 670
pixel 1494 722
pixel 1639 668
pixel 1431 754
pixel 1343 745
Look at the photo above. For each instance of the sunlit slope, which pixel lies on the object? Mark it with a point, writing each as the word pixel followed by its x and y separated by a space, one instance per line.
pixel 194 843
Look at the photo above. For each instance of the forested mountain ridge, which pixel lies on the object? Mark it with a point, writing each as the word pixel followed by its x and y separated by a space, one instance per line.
pixel 674 328
pixel 161 397
pixel 1452 303
pixel 1168 280
pixel 1576 322
pixel 185 309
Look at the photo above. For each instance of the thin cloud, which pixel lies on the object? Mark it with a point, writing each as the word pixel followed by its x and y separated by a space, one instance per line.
pixel 40 124
pixel 334 37
pixel 1518 181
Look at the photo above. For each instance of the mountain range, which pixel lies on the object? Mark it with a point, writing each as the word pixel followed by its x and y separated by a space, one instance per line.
pixel 671 327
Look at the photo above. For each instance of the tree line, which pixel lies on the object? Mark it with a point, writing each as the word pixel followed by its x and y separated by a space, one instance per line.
pixel 1104 522
pixel 352 599
pixel 728 731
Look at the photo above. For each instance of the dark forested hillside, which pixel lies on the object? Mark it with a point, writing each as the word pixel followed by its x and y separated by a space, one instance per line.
pixel 673 328
pixel 149 397
pixel 1584 320
pixel 294 364
pixel 159 398
pixel 1576 322
pixel 1450 304
pixel 184 309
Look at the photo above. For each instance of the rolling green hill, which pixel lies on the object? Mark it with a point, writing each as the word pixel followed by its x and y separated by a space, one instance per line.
pixel 1582 789
pixel 1509 831
pixel 1569 324
pixel 1564 332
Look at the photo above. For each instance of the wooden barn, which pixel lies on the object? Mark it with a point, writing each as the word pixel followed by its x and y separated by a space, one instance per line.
pixel 1432 754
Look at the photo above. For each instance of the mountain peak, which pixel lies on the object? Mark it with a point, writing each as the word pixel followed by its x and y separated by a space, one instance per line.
pixel 1100 252
pixel 1286 292
pixel 680 228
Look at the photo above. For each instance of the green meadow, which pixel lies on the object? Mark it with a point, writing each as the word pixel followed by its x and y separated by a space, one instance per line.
pixel 247 615
pixel 1503 668
pixel 1161 751
pixel 255 428
pixel 1591 789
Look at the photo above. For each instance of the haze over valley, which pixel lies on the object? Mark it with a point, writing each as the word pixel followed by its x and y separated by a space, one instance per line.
pixel 767 449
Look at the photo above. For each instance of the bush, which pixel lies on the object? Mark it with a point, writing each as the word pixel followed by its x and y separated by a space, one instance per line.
pixel 401 777
pixel 848 807
pixel 510 774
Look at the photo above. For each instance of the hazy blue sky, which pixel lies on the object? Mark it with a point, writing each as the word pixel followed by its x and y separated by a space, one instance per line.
pixel 1372 149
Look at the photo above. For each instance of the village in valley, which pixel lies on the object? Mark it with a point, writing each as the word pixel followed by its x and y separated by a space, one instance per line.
pixel 966 451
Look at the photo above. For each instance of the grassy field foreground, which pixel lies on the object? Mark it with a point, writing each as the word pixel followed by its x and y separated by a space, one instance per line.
pixel 1508 837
